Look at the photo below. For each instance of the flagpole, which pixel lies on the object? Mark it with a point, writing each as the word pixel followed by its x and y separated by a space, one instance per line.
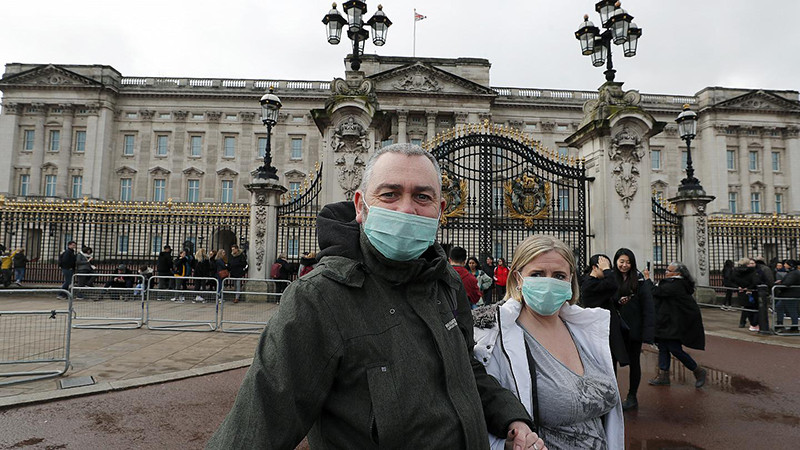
pixel 414 45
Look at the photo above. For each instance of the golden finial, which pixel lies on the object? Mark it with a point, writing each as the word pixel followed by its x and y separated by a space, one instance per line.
pixel 169 203
pixel 485 124
pixel 2 200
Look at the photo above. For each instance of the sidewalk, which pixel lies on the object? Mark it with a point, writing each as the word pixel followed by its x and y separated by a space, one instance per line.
pixel 121 359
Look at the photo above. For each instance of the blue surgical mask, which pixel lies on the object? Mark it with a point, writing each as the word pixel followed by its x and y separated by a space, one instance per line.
pixel 545 295
pixel 397 235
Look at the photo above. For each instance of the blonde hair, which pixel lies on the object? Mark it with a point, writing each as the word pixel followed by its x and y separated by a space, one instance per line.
pixel 531 248
pixel 743 262
pixel 200 254
pixel 222 254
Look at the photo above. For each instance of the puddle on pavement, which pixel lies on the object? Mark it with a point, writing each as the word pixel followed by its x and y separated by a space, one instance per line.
pixel 717 379
pixel 662 444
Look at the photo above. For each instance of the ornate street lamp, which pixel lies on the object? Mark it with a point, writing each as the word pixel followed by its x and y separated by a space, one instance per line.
pixel 619 29
pixel 687 129
pixel 270 105
pixel 356 32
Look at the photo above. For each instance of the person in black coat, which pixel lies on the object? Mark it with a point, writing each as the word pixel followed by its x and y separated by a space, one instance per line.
pixel 598 287
pixel 746 278
pixel 635 302
pixel 678 323
pixel 164 267
pixel 237 263
pixel 488 268
pixel 727 280
pixel 790 294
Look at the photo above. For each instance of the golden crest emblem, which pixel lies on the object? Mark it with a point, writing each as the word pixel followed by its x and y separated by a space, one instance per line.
pixel 455 193
pixel 527 198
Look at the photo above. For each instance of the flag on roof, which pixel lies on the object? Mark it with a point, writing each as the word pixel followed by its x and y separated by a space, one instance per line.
pixel 418 16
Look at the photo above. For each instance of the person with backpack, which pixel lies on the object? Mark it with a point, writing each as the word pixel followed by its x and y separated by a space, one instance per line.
pixel 67 261
pixel 280 271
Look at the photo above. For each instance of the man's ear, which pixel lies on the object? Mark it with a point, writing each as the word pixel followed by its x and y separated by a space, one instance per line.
pixel 358 201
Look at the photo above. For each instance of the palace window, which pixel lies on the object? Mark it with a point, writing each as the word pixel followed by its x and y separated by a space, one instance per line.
pixel 684 159
pixel 732 201
pixel 127 145
pixel 55 140
pixel 262 147
pixel 24 185
pixel 155 247
pixel 122 243
pixel 196 146
pixel 293 245
pixel 658 254
pixel 731 159
pixel 416 142
pixel 755 202
pixel 779 203
pixel 161 145
pixel 297 148
pixel 159 190
pixel 563 152
pixel 776 161
pixel 753 155
pixel 655 159
pixel 27 140
pixel 80 141
pixel 227 191
pixel 125 187
pixel 230 147
pixel 294 189
pixel 563 199
pixel 50 185
pixel 193 191
pixel 77 186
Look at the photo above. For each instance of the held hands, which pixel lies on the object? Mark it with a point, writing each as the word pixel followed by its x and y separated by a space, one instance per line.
pixel 520 437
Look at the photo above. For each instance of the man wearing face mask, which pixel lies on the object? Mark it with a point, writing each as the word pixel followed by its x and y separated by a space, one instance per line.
pixel 371 348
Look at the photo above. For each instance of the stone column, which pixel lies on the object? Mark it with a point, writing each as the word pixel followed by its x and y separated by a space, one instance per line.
pixel 64 182
pixel 430 117
pixel 39 142
pixel 614 139
pixel 402 119
pixel 694 240
pixel 10 133
pixel 265 197
pixel 792 168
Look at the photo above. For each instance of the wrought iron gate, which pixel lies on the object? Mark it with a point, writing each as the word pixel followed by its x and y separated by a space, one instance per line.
pixel 297 218
pixel 667 233
pixel 502 186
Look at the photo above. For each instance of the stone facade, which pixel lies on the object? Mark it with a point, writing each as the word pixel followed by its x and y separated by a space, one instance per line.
pixel 74 131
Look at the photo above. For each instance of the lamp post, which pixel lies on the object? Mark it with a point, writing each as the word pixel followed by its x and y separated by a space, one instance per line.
pixel 356 31
pixel 270 105
pixel 619 29
pixel 687 129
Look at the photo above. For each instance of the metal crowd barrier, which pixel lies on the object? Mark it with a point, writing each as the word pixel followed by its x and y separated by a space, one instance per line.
pixel 246 304
pixel 734 299
pixel 34 345
pixel 182 304
pixel 786 301
pixel 115 301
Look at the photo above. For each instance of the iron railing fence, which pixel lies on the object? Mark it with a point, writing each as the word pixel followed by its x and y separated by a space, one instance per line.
pixel 297 221
pixel 667 235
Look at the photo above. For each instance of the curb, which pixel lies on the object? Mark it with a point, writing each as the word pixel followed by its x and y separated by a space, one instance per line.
pixel 118 385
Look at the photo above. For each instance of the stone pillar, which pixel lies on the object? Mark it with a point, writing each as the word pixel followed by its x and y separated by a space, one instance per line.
pixel 614 139
pixel 64 182
pixel 402 119
pixel 10 133
pixel 792 205
pixel 39 143
pixel 430 117
pixel 265 195
pixel 694 240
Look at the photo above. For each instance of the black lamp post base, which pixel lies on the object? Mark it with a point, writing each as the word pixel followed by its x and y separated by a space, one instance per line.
pixel 690 187
pixel 266 173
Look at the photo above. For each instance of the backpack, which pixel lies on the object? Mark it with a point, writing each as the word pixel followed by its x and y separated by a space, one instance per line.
pixel 275 271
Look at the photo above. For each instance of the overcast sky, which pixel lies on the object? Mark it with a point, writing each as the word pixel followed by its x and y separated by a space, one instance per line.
pixel 686 44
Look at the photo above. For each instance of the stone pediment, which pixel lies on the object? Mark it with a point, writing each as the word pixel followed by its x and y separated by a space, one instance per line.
pixel 419 78
pixel 126 170
pixel 760 101
pixel 294 173
pixel 227 172
pixel 193 171
pixel 49 76
pixel 158 170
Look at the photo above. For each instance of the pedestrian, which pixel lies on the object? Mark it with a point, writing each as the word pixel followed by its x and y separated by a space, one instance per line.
pixel 678 323
pixel 84 269
pixel 20 261
pixel 180 270
pixel 458 259
pixel 307 263
pixel 280 271
pixel 200 270
pixel 598 288
pixel 66 261
pixel 552 352
pixel 500 278
pixel 146 273
pixel 789 292
pixel 727 280
pixel 119 281
pixel 212 269
pixel 6 267
pixel 370 349
pixel 237 264
pixel 746 279
pixel 634 301
pixel 164 268
pixel 484 281
pixel 222 270
pixel 781 269
pixel 488 268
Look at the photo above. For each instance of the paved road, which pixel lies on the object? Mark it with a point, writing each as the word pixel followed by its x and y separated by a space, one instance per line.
pixel 751 401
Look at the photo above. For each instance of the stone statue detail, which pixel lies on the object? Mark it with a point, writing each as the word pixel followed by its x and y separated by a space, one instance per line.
pixel 626 153
pixel 417 82
pixel 260 229
pixel 350 143
pixel 702 229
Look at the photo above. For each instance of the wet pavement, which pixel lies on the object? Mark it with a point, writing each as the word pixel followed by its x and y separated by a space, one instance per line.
pixel 751 400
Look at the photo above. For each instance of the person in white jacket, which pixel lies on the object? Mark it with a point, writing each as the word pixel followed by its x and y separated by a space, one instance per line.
pixel 553 354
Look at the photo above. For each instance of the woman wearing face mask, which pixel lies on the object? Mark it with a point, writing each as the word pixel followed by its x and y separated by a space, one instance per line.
pixel 551 353
pixel 635 300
